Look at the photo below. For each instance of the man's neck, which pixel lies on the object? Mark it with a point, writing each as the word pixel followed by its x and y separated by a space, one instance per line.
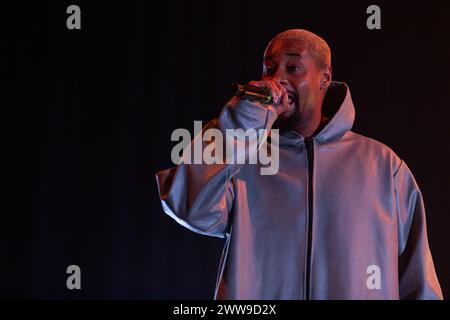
pixel 307 126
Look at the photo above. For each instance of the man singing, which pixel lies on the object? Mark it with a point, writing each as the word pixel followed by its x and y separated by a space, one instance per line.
pixel 343 218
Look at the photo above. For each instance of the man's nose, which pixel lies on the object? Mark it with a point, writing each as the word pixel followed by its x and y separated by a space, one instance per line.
pixel 280 77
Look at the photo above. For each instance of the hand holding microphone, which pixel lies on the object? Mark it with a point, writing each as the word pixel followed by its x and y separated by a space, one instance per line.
pixel 266 92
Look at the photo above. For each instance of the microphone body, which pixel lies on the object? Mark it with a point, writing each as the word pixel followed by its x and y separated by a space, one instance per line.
pixel 250 92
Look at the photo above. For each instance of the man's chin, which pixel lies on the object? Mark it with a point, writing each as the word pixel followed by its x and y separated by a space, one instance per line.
pixel 288 119
pixel 289 112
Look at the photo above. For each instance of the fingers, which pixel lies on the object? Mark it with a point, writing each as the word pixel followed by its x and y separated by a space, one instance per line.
pixel 279 93
pixel 285 99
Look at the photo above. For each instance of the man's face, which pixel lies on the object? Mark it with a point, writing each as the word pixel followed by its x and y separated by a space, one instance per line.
pixel 288 61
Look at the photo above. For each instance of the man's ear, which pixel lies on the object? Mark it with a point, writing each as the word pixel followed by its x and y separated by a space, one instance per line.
pixel 325 78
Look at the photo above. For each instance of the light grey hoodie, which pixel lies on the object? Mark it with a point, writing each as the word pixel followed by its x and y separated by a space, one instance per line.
pixel 342 219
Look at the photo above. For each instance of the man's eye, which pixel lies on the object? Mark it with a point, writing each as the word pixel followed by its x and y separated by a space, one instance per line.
pixel 268 70
pixel 292 68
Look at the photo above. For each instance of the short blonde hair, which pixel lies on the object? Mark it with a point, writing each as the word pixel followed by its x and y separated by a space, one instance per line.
pixel 316 46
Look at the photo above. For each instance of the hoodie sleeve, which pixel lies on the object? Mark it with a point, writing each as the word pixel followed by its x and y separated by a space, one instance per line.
pixel 200 196
pixel 417 276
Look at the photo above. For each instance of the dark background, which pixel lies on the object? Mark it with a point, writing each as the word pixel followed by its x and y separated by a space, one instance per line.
pixel 86 119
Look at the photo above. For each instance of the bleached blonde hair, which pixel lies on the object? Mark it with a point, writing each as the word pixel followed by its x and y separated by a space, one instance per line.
pixel 317 47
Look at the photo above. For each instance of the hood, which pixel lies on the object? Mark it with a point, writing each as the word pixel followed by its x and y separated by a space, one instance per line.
pixel 338 115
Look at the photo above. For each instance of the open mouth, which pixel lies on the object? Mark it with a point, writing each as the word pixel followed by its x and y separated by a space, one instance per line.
pixel 292 98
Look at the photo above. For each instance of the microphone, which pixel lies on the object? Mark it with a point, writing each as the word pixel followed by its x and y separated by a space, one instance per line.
pixel 250 92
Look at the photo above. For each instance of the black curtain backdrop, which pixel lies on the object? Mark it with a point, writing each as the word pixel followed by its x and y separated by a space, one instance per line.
pixel 87 117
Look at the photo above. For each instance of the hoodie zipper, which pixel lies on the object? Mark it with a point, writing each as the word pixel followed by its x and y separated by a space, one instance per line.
pixel 309 146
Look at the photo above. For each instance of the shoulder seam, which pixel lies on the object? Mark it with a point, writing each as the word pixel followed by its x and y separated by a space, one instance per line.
pixel 401 163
